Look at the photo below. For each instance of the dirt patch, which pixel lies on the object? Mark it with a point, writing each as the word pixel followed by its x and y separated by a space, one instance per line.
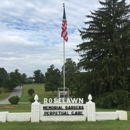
pixel 6 107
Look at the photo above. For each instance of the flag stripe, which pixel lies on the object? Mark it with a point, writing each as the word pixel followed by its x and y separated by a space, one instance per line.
pixel 64 32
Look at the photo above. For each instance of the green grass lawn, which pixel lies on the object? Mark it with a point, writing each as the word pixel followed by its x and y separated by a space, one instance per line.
pixel 83 125
pixel 4 94
pixel 39 90
pixel 16 108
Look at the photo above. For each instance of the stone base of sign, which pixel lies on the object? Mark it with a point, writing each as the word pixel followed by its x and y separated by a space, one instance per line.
pixel 63 118
pixel 62 112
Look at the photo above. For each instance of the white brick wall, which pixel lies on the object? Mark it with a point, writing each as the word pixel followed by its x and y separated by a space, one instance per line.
pixel 106 116
pixel 20 117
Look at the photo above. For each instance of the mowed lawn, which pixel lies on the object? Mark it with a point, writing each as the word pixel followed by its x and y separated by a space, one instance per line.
pixel 25 106
pixel 84 125
pixel 39 90
pixel 4 94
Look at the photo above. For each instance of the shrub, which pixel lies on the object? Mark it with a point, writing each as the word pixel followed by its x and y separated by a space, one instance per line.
pixel 0 91
pixel 117 99
pixel 121 98
pixel 14 99
pixel 31 99
pixel 30 92
pixel 104 101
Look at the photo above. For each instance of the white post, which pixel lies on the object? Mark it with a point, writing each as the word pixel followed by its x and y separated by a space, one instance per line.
pixel 64 64
pixel 90 109
pixel 35 110
pixel 122 115
pixel 3 116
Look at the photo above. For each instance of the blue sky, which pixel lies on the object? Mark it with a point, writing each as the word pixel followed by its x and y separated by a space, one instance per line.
pixel 30 32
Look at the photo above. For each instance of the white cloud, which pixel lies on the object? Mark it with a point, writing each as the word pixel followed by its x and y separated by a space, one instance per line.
pixel 30 32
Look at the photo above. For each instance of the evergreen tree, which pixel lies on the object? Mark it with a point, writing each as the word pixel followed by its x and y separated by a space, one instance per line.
pixel 52 79
pixel 38 76
pixel 71 72
pixel 18 75
pixel 23 78
pixel 105 51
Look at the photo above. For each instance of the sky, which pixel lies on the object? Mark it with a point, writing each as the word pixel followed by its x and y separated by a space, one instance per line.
pixel 30 32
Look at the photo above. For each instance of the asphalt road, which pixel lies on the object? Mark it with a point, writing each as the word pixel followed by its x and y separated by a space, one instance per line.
pixel 16 92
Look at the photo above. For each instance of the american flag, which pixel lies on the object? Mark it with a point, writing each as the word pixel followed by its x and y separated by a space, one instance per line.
pixel 64 32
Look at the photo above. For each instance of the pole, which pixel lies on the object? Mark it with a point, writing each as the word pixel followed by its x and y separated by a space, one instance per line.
pixel 64 64
pixel 64 60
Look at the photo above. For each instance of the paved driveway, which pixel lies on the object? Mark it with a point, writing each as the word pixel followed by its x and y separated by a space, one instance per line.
pixel 16 92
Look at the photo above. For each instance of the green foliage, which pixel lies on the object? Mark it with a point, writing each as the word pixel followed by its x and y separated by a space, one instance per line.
pixel 31 99
pixel 31 91
pixel 3 76
pixel 29 80
pixel 117 99
pixel 14 99
pixel 52 79
pixel 38 76
pixel 82 88
pixel 71 72
pixel 23 78
pixel 0 91
pixel 19 77
pixel 11 81
pixel 105 51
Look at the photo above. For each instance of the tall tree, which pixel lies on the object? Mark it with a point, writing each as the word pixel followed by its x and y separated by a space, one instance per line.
pixel 38 76
pixel 42 78
pixel 18 74
pixel 71 72
pixel 11 81
pixel 52 79
pixel 105 52
pixel 23 78
pixel 3 76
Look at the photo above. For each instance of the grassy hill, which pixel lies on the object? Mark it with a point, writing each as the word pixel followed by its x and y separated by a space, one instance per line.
pixel 39 90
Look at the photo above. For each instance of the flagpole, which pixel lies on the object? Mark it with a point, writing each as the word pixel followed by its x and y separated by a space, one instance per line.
pixel 64 64
pixel 64 34
pixel 63 58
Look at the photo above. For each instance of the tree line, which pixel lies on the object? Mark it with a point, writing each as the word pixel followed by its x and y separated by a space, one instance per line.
pixel 13 79
pixel 53 78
